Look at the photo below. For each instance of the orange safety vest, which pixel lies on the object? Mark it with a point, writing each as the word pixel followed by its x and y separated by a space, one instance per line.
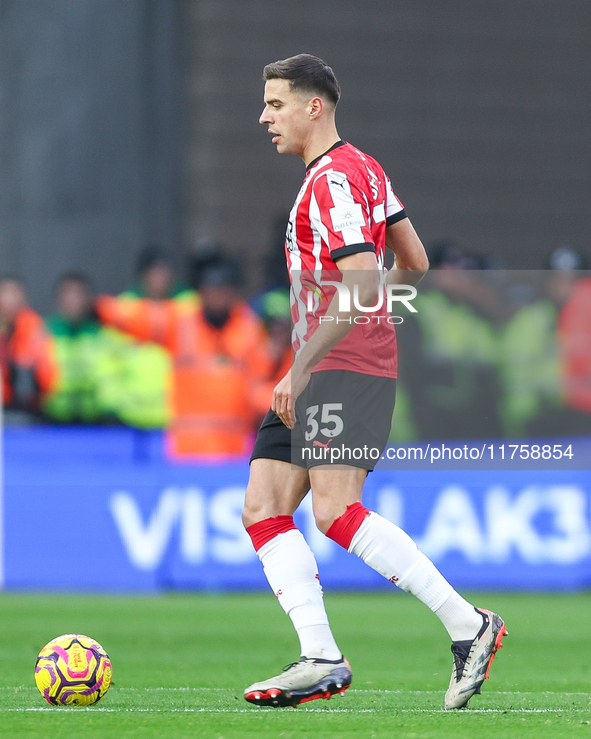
pixel 217 376
pixel 148 320
pixel 574 340
pixel 30 347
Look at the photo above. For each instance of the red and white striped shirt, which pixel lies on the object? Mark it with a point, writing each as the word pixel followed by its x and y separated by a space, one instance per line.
pixel 344 207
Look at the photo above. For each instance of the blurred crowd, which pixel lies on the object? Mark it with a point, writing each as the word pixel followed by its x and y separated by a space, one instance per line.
pixel 200 362
pixel 492 353
pixel 488 354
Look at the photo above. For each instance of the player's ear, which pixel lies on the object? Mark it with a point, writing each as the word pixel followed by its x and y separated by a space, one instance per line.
pixel 315 107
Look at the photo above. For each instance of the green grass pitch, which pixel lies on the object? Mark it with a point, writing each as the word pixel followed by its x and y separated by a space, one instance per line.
pixel 180 663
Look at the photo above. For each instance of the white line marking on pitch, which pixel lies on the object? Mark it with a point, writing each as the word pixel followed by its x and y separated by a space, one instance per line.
pixel 467 712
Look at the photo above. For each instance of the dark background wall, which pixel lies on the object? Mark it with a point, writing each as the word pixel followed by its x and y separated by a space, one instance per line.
pixel 128 122
pixel 479 112
pixel 90 132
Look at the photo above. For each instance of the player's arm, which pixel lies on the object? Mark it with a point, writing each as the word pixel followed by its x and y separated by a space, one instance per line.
pixel 410 258
pixel 360 272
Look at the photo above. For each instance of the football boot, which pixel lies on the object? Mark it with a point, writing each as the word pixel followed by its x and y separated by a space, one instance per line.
pixel 302 681
pixel 472 660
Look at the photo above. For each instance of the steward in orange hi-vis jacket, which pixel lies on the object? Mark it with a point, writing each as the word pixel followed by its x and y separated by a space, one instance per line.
pixel 27 363
pixel 220 359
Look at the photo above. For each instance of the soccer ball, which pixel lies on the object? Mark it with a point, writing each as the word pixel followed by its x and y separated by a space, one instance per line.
pixel 73 670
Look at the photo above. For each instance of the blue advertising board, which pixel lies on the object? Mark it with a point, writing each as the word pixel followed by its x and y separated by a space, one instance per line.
pixel 102 509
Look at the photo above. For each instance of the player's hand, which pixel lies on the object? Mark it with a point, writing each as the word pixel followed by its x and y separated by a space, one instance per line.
pixel 285 394
pixel 281 403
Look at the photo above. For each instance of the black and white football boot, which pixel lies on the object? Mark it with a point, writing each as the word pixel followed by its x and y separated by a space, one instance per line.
pixel 472 660
pixel 300 682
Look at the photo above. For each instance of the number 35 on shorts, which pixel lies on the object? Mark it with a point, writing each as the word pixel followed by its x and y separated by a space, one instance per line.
pixel 330 423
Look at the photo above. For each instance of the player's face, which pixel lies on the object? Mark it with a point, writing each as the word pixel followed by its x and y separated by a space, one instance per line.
pixel 287 114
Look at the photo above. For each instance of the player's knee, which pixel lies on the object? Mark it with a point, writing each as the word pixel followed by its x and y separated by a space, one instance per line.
pixel 252 515
pixel 258 507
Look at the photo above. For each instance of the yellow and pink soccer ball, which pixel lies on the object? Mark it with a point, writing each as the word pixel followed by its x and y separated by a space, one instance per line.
pixel 73 670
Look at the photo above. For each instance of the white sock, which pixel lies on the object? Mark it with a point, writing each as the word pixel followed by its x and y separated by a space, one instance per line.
pixel 459 618
pixel 391 552
pixel 292 573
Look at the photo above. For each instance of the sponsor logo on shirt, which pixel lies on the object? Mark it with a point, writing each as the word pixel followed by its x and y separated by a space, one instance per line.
pixel 350 216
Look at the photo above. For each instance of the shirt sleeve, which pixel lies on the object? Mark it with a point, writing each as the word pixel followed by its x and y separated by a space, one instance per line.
pixel 394 209
pixel 339 213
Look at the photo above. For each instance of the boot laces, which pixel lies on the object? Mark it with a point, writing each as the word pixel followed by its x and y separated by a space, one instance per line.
pixel 294 664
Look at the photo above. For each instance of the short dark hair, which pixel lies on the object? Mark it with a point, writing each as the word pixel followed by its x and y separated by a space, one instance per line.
pixel 306 73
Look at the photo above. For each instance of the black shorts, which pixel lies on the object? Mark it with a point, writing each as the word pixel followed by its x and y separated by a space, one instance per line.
pixel 342 418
